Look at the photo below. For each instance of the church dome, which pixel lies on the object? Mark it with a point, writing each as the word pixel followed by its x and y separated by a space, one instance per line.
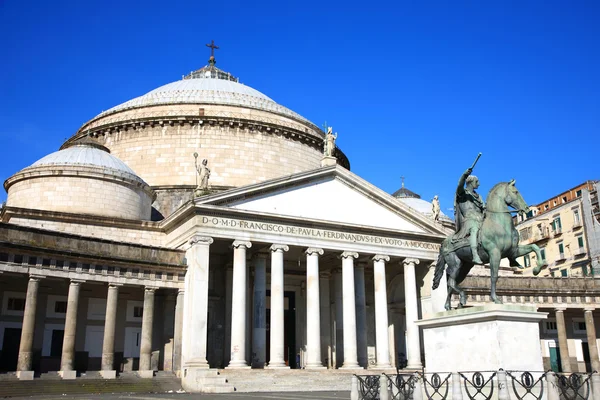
pixel 245 135
pixel 83 178
pixel 414 201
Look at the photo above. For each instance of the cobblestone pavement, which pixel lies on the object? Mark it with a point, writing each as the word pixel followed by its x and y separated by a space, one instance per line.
pixel 204 396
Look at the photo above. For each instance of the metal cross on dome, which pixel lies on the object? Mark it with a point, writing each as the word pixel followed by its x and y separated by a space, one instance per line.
pixel 212 48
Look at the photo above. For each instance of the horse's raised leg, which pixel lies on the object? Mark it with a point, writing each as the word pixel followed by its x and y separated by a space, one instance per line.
pixel 528 248
pixel 494 266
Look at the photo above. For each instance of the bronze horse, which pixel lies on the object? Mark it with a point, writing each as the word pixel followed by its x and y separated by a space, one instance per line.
pixel 498 238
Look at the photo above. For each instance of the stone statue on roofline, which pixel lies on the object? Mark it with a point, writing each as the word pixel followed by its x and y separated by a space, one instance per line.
pixel 485 233
pixel 330 138
pixel 203 174
pixel 435 208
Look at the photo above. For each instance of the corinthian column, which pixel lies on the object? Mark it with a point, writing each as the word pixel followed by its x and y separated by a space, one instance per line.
pixel 350 351
pixel 238 306
pixel 67 359
pixel 24 364
pixel 313 311
pixel 276 359
pixel 108 344
pixel 413 343
pixel 381 312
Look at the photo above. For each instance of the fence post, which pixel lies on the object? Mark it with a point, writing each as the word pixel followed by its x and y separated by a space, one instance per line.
pixel 384 394
pixel 418 393
pixel 456 387
pixel 502 385
pixel 553 393
pixel 595 386
pixel 354 390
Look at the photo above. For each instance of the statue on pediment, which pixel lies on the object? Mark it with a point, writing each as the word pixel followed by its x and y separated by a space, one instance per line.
pixel 435 208
pixel 202 176
pixel 330 138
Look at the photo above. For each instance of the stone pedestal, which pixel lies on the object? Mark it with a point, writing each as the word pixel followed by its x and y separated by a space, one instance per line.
pixel 328 161
pixel 483 338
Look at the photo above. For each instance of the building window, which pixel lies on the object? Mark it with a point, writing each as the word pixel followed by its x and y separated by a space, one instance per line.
pixel 564 199
pixel 526 260
pixel 580 242
pixel 564 272
pixel 546 207
pixel 554 203
pixel 561 251
pixel 15 304
pixel 60 307
pixel 550 326
pixel 543 254
pixel 556 224
pixel 138 312
pixel 576 217
pixel 579 326
pixel 578 193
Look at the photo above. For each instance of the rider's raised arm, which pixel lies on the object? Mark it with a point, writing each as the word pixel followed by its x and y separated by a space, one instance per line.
pixel 461 181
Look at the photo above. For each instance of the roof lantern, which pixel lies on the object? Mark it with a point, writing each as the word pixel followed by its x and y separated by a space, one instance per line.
pixel 210 71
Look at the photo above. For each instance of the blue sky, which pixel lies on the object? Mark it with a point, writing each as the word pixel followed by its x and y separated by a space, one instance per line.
pixel 414 89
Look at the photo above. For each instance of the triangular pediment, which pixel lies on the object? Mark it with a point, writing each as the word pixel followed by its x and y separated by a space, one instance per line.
pixel 331 194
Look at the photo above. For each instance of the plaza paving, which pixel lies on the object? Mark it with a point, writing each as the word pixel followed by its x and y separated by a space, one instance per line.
pixel 202 396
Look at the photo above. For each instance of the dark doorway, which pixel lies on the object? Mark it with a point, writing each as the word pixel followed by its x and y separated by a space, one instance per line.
pixel 10 349
pixel 289 329
pixel 57 343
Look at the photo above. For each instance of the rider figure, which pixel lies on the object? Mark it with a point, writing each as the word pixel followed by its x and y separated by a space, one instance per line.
pixel 469 213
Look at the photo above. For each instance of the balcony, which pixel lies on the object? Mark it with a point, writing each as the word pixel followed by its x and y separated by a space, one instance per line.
pixel 577 224
pixel 538 237
pixel 580 252
pixel 561 257
pixel 557 232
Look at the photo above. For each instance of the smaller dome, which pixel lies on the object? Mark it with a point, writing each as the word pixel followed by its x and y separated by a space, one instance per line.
pixel 414 201
pixel 87 153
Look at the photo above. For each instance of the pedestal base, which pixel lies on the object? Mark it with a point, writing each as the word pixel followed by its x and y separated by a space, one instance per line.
pixel 25 375
pixel 108 374
pixel 328 161
pixel 68 374
pixel 483 338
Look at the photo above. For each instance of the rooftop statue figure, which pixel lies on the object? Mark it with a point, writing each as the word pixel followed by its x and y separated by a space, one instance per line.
pixel 330 138
pixel 435 208
pixel 485 233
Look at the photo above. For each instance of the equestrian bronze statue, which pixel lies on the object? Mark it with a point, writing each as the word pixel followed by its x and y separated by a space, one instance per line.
pixel 485 233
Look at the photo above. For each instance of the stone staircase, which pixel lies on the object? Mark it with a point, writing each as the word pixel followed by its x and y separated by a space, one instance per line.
pixel 87 383
pixel 212 381
pixel 267 380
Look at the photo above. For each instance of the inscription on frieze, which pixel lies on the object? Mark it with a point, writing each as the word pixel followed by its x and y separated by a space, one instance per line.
pixel 317 233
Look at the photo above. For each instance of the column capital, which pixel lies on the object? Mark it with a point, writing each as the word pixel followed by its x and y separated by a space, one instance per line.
pixel 239 243
pixel 408 261
pixel 114 285
pixel 150 289
pixel 35 277
pixel 76 282
pixel 560 309
pixel 590 309
pixel 199 239
pixel 279 247
pixel 347 254
pixel 180 291
pixel 380 257
pixel 314 250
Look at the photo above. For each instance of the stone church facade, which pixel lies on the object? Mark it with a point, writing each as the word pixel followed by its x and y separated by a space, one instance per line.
pixel 111 261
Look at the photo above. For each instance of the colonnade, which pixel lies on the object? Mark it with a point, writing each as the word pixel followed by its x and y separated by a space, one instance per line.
pixel 317 326
pixel 67 361
pixel 563 346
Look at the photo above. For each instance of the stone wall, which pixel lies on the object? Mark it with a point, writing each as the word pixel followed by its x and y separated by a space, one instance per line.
pixel 238 156
pixel 82 195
